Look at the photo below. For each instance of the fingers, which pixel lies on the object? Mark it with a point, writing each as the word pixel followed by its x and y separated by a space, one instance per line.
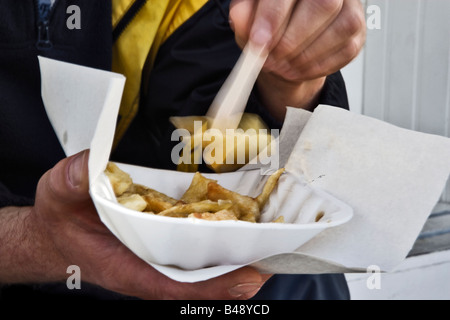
pixel 309 19
pixel 270 21
pixel 116 268
pixel 241 19
pixel 61 209
pixel 262 22
pixel 329 51
pixel 62 194
pixel 67 182
pixel 308 39
pixel 335 59
pixel 240 284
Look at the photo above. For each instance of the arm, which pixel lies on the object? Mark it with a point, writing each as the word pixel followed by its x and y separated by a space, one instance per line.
pixel 22 251
pixel 307 40
pixel 38 243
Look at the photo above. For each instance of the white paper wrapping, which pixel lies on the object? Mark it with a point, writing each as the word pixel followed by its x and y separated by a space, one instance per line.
pixel 390 177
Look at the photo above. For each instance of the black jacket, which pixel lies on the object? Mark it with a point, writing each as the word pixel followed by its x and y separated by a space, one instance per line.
pixel 189 70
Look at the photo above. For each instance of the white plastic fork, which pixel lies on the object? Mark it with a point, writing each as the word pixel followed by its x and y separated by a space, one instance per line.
pixel 228 107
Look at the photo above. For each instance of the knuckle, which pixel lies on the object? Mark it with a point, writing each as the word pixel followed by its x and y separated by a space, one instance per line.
pixel 352 24
pixel 304 58
pixel 276 14
pixel 293 76
pixel 55 185
pixel 329 6
pixel 352 49
pixel 317 69
pixel 314 70
pixel 272 14
pixel 291 73
pixel 287 44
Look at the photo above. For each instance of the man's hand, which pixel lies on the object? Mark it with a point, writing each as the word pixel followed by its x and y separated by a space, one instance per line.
pixel 307 40
pixel 63 229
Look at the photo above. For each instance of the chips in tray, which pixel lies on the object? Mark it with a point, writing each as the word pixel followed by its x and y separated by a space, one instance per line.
pixel 204 199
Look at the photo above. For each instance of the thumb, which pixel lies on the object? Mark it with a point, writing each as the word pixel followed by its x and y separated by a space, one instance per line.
pixel 67 182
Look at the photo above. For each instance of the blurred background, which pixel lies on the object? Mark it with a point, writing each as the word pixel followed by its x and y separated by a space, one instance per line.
pixel 403 77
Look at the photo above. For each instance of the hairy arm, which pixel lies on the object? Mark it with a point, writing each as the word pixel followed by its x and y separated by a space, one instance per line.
pixel 25 255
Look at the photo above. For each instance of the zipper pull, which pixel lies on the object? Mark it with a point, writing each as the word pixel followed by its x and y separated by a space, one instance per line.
pixel 43 24
pixel 43 42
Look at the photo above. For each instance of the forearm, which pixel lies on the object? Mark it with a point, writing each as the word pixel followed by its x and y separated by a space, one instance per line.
pixel 25 254
pixel 277 94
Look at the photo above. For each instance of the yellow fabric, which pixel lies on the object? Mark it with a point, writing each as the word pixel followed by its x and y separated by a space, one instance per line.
pixel 119 8
pixel 139 43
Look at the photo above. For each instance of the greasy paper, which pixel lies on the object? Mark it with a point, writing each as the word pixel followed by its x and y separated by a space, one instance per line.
pixel 77 100
pixel 391 177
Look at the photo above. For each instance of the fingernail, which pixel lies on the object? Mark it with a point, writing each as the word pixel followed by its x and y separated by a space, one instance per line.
pixel 261 35
pixel 244 288
pixel 76 169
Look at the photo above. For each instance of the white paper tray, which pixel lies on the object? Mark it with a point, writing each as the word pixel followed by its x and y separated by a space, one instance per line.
pixel 371 165
pixel 190 243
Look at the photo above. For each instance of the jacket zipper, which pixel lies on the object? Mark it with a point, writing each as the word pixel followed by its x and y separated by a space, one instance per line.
pixel 127 17
pixel 44 10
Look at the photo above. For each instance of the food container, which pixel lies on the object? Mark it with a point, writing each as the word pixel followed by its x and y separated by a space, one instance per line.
pixel 191 243
pixel 348 199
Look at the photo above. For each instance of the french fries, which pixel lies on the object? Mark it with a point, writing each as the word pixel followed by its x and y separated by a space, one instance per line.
pixel 244 207
pixel 120 181
pixel 133 202
pixel 204 198
pixel 198 190
pixel 205 206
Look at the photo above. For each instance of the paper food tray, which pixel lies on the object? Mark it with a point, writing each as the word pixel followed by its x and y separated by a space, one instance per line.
pixel 190 243
pixel 387 180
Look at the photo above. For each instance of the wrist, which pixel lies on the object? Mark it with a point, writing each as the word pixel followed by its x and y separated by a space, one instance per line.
pixel 26 254
pixel 277 93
